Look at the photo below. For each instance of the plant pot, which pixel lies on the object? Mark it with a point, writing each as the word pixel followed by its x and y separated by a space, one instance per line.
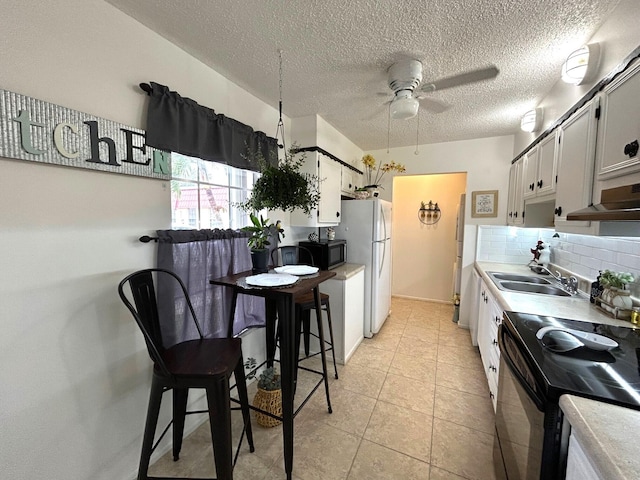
pixel 260 261
pixel 372 190
pixel 269 401
pixel 617 297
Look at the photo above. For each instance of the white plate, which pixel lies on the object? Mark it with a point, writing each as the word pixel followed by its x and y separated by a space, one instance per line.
pixel 271 280
pixel 297 269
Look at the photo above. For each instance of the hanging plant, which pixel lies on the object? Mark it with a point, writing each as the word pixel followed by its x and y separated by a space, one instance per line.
pixel 282 186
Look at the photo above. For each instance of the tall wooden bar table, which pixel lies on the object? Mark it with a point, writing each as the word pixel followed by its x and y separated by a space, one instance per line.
pixel 281 300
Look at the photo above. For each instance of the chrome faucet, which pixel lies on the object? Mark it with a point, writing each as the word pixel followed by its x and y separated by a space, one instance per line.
pixel 569 284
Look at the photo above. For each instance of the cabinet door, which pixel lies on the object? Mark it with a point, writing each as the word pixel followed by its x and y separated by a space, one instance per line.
pixel 347 181
pixel 619 127
pixel 515 206
pixel 330 179
pixel 547 163
pixel 576 164
pixel 530 176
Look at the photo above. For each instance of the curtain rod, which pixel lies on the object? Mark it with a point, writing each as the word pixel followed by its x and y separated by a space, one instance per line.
pixel 147 239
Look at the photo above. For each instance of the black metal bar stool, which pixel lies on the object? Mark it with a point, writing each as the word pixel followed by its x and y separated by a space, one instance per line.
pixel 206 363
pixel 292 255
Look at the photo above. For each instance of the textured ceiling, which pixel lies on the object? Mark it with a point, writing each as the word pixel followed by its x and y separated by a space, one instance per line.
pixel 336 54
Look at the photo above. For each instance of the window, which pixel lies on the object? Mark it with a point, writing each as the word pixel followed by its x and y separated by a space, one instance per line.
pixel 203 193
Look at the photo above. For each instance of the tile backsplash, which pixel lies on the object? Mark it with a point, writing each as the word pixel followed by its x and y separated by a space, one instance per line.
pixel 582 255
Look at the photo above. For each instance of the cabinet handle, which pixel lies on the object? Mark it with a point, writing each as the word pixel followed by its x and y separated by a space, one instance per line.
pixel 497 320
pixel 486 299
pixel 531 186
pixel 493 369
pixel 511 214
pixel 494 341
pixel 539 184
pixel 491 395
pixel 515 214
pixel 337 214
pixel 631 149
pixel 558 211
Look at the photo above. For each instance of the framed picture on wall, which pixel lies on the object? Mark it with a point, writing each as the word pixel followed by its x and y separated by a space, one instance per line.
pixel 484 204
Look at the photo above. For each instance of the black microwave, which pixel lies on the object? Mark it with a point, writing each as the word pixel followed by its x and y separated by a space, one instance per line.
pixel 327 254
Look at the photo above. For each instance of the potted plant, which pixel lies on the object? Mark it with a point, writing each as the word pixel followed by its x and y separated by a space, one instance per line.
pixel 260 230
pixel 374 174
pixel 615 292
pixel 282 186
pixel 268 397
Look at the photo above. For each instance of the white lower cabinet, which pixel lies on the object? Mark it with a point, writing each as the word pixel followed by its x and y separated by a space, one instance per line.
pixel 489 318
pixel 346 298
pixel 578 464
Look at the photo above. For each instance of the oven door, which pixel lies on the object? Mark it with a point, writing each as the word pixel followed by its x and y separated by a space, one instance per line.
pixel 529 432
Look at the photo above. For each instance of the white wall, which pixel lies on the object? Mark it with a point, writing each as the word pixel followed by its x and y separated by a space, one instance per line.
pixel 73 367
pixel 486 161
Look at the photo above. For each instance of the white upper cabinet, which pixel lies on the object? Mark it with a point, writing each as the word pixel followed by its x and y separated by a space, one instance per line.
pixel 330 174
pixel 576 166
pixel 619 129
pixel 540 168
pixel 515 204
pixel 348 181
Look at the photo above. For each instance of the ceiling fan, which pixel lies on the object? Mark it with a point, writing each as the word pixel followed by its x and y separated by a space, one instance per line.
pixel 405 79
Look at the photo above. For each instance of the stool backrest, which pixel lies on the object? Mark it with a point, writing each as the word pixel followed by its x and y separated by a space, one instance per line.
pixel 291 255
pixel 145 312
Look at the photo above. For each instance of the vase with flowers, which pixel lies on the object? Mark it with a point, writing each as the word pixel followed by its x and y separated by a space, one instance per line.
pixel 374 172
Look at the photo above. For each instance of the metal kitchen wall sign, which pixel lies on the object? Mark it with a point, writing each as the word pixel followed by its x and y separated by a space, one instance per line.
pixel 42 132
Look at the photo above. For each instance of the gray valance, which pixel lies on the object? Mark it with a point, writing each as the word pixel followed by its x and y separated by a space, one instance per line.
pixel 179 124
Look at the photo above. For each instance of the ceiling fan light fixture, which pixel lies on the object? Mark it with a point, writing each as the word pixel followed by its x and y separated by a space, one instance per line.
pixel 404 106
pixel 581 64
pixel 531 120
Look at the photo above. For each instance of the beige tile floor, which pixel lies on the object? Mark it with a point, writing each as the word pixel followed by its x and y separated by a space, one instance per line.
pixel 412 403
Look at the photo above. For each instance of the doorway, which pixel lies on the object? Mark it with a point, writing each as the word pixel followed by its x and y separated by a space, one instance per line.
pixel 424 254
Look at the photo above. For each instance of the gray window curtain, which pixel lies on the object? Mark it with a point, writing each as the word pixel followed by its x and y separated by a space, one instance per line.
pixel 179 124
pixel 197 256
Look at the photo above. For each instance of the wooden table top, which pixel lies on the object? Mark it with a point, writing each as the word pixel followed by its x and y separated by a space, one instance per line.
pixel 304 284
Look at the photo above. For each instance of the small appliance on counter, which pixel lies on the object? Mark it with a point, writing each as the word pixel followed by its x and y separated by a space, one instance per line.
pixel 327 254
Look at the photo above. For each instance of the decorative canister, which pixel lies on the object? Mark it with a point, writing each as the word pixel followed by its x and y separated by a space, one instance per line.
pixel 635 315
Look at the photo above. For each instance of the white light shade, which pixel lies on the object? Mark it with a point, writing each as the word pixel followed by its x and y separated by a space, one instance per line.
pixel 531 120
pixel 581 64
pixel 404 106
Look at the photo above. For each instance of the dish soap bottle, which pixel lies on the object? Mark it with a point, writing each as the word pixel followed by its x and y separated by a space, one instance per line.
pixel 596 289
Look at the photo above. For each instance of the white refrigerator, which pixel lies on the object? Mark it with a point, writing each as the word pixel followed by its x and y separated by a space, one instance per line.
pixel 366 226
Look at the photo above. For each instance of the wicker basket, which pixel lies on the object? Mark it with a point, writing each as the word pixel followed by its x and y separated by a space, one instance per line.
pixel 269 401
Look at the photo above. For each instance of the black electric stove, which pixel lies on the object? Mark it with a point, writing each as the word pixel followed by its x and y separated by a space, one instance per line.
pixel 532 435
pixel 609 376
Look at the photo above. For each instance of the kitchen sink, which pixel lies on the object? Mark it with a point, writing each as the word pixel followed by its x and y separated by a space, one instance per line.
pixel 532 288
pixel 513 277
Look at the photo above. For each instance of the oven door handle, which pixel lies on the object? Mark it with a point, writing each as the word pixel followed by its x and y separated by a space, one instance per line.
pixel 533 395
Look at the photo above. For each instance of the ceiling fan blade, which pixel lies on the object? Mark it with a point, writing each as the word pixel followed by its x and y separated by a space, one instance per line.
pixel 432 105
pixel 465 78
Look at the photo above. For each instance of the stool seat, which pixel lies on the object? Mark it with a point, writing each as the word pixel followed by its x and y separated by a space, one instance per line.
pixel 205 363
pixel 306 300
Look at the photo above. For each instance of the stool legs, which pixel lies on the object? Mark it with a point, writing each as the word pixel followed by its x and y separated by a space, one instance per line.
pixel 218 399
pixel 153 411
pixel 180 396
pixel 333 348
pixel 241 384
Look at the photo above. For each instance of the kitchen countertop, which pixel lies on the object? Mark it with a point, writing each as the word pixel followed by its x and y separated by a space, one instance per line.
pixel 576 307
pixel 606 431
pixel 346 271
pixel 608 435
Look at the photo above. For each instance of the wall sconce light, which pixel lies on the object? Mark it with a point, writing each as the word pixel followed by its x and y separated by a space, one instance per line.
pixel 532 120
pixel 581 64
pixel 429 213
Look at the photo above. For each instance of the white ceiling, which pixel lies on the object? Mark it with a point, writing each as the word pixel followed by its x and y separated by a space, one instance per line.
pixel 336 52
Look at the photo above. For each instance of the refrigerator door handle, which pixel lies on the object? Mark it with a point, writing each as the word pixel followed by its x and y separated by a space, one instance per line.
pixel 384 252
pixel 384 222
